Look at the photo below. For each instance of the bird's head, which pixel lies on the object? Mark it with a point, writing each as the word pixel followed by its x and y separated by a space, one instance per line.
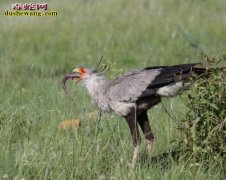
pixel 81 73
pixel 78 74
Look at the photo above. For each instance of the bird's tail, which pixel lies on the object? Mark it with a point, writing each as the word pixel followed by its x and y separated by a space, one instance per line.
pixel 204 72
pixel 175 79
pixel 199 72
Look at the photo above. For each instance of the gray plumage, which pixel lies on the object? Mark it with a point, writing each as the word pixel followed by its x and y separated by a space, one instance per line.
pixel 129 87
pixel 121 94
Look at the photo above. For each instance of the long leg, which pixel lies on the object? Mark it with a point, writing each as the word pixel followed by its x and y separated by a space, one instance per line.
pixel 133 126
pixel 146 128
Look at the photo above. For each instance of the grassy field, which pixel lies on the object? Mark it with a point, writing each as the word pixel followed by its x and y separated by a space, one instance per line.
pixel 36 52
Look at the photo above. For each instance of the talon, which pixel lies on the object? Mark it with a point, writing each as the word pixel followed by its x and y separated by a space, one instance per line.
pixel 135 156
pixel 149 147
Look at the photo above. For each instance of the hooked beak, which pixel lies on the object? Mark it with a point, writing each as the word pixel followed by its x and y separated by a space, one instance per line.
pixel 69 76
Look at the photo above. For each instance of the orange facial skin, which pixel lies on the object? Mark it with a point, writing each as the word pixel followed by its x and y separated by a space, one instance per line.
pixel 82 71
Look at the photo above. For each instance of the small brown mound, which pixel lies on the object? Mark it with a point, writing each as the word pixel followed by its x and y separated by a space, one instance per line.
pixel 66 124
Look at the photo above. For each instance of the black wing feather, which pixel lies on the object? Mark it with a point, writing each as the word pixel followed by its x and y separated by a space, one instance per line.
pixel 171 74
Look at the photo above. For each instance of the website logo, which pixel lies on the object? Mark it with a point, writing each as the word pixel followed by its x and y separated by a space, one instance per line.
pixel 30 9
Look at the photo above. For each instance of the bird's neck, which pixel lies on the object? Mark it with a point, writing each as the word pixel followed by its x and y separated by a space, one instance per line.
pixel 95 84
pixel 97 87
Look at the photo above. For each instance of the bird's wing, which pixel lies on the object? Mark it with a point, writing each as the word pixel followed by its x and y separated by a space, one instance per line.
pixel 130 87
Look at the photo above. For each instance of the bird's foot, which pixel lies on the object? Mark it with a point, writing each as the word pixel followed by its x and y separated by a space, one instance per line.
pixel 149 146
pixel 135 157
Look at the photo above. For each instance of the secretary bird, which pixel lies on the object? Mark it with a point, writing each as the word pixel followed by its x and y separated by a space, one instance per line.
pixel 132 94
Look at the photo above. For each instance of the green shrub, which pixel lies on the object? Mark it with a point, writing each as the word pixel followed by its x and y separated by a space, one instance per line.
pixel 203 131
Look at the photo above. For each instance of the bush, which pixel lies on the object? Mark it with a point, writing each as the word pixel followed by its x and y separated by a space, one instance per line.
pixel 203 131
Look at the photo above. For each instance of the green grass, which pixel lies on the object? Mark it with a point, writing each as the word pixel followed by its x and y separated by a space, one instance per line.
pixel 35 53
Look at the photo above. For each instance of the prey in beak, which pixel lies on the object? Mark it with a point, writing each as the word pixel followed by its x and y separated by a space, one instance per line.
pixel 74 75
